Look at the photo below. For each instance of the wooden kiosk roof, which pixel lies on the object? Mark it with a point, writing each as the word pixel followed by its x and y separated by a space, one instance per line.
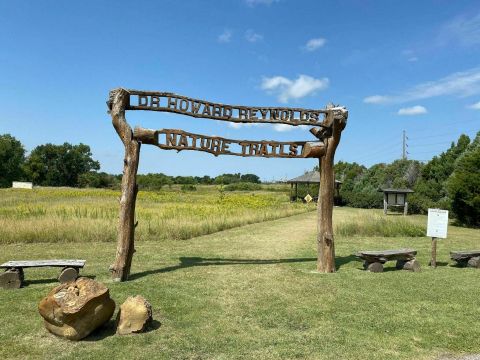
pixel 398 191
pixel 310 177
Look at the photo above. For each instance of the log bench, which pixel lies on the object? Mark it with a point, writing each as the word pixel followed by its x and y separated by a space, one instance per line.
pixel 469 258
pixel 374 260
pixel 13 277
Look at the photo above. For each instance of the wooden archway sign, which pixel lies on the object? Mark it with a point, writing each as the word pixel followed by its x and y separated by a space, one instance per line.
pixel 327 125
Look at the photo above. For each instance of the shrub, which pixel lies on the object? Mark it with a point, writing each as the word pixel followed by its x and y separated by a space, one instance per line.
pixel 242 186
pixel 464 186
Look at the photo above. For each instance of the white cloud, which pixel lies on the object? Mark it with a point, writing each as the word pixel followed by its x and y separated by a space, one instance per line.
pixel 462 29
pixel 225 37
pixel 410 55
pixel 287 89
pixel 253 3
pixel 414 110
pixel 314 44
pixel 465 83
pixel 236 125
pixel 252 36
pixel 475 106
pixel 282 127
pixel 376 99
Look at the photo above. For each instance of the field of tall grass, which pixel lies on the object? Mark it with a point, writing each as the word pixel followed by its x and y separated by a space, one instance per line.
pixel 377 224
pixel 90 215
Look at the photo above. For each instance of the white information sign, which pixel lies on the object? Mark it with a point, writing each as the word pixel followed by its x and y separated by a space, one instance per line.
pixel 22 185
pixel 437 223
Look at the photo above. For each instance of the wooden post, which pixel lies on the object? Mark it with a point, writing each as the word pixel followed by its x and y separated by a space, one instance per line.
pixel 291 192
pixel 385 203
pixel 405 209
pixel 296 191
pixel 118 101
pixel 325 243
pixel 433 262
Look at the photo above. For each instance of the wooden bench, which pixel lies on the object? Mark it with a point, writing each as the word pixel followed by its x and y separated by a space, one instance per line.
pixel 13 277
pixel 374 260
pixel 466 258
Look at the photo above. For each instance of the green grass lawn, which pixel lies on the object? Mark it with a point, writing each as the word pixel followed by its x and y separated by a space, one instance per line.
pixel 251 293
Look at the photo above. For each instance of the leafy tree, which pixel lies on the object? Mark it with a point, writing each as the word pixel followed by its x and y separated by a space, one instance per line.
pixel 153 181
pixel 463 185
pixel 430 189
pixel 12 157
pixel 226 179
pixel 360 185
pixel 59 165
pixel 94 179
pixel 250 178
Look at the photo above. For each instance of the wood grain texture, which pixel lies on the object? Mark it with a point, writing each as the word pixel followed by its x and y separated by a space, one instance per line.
pixel 118 101
pixel 43 263
pixel 464 255
pixel 386 255
pixel 179 104
pixel 175 139
pixel 325 239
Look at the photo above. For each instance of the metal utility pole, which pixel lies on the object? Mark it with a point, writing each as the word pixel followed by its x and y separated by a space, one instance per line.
pixel 404 151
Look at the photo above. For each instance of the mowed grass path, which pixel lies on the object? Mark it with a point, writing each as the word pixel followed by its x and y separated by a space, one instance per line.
pixel 251 293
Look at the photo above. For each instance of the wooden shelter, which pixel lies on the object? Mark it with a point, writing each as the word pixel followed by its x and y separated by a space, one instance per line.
pixel 310 177
pixel 395 198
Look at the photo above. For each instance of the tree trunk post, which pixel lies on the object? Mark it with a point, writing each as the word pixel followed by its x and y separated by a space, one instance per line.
pixel 118 101
pixel 325 243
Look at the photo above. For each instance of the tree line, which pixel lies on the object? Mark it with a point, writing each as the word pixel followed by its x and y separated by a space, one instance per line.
pixel 73 165
pixel 451 180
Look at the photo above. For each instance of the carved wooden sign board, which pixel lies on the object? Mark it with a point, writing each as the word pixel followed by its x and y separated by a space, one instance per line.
pixel 326 126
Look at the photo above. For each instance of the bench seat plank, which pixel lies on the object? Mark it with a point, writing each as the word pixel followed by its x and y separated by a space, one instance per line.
pixel 43 263
pixel 386 255
pixel 464 255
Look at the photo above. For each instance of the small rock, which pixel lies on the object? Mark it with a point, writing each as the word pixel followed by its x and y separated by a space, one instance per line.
pixel 74 309
pixel 134 316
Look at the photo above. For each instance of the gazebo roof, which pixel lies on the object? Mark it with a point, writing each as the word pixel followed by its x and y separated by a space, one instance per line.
pixel 310 177
pixel 398 191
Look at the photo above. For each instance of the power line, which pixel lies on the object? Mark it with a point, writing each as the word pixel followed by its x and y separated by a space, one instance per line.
pixel 432 144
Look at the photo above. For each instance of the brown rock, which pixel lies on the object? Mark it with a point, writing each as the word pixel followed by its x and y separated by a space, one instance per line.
pixel 73 310
pixel 134 315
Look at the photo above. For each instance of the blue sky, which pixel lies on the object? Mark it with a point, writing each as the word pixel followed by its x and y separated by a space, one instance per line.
pixel 396 65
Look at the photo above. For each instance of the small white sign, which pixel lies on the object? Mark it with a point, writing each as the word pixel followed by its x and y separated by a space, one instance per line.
pixel 437 223
pixel 22 185
pixel 308 198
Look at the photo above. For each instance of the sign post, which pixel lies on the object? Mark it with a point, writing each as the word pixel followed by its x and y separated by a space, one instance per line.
pixel 437 225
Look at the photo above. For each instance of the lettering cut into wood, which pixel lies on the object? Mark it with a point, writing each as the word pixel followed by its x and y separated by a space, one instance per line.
pixel 172 139
pixel 169 102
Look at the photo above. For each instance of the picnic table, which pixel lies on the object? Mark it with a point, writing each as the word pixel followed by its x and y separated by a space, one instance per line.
pixel 14 276
pixel 466 258
pixel 374 259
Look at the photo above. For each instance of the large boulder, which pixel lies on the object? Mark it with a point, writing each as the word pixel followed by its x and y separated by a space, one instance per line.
pixel 73 310
pixel 134 316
